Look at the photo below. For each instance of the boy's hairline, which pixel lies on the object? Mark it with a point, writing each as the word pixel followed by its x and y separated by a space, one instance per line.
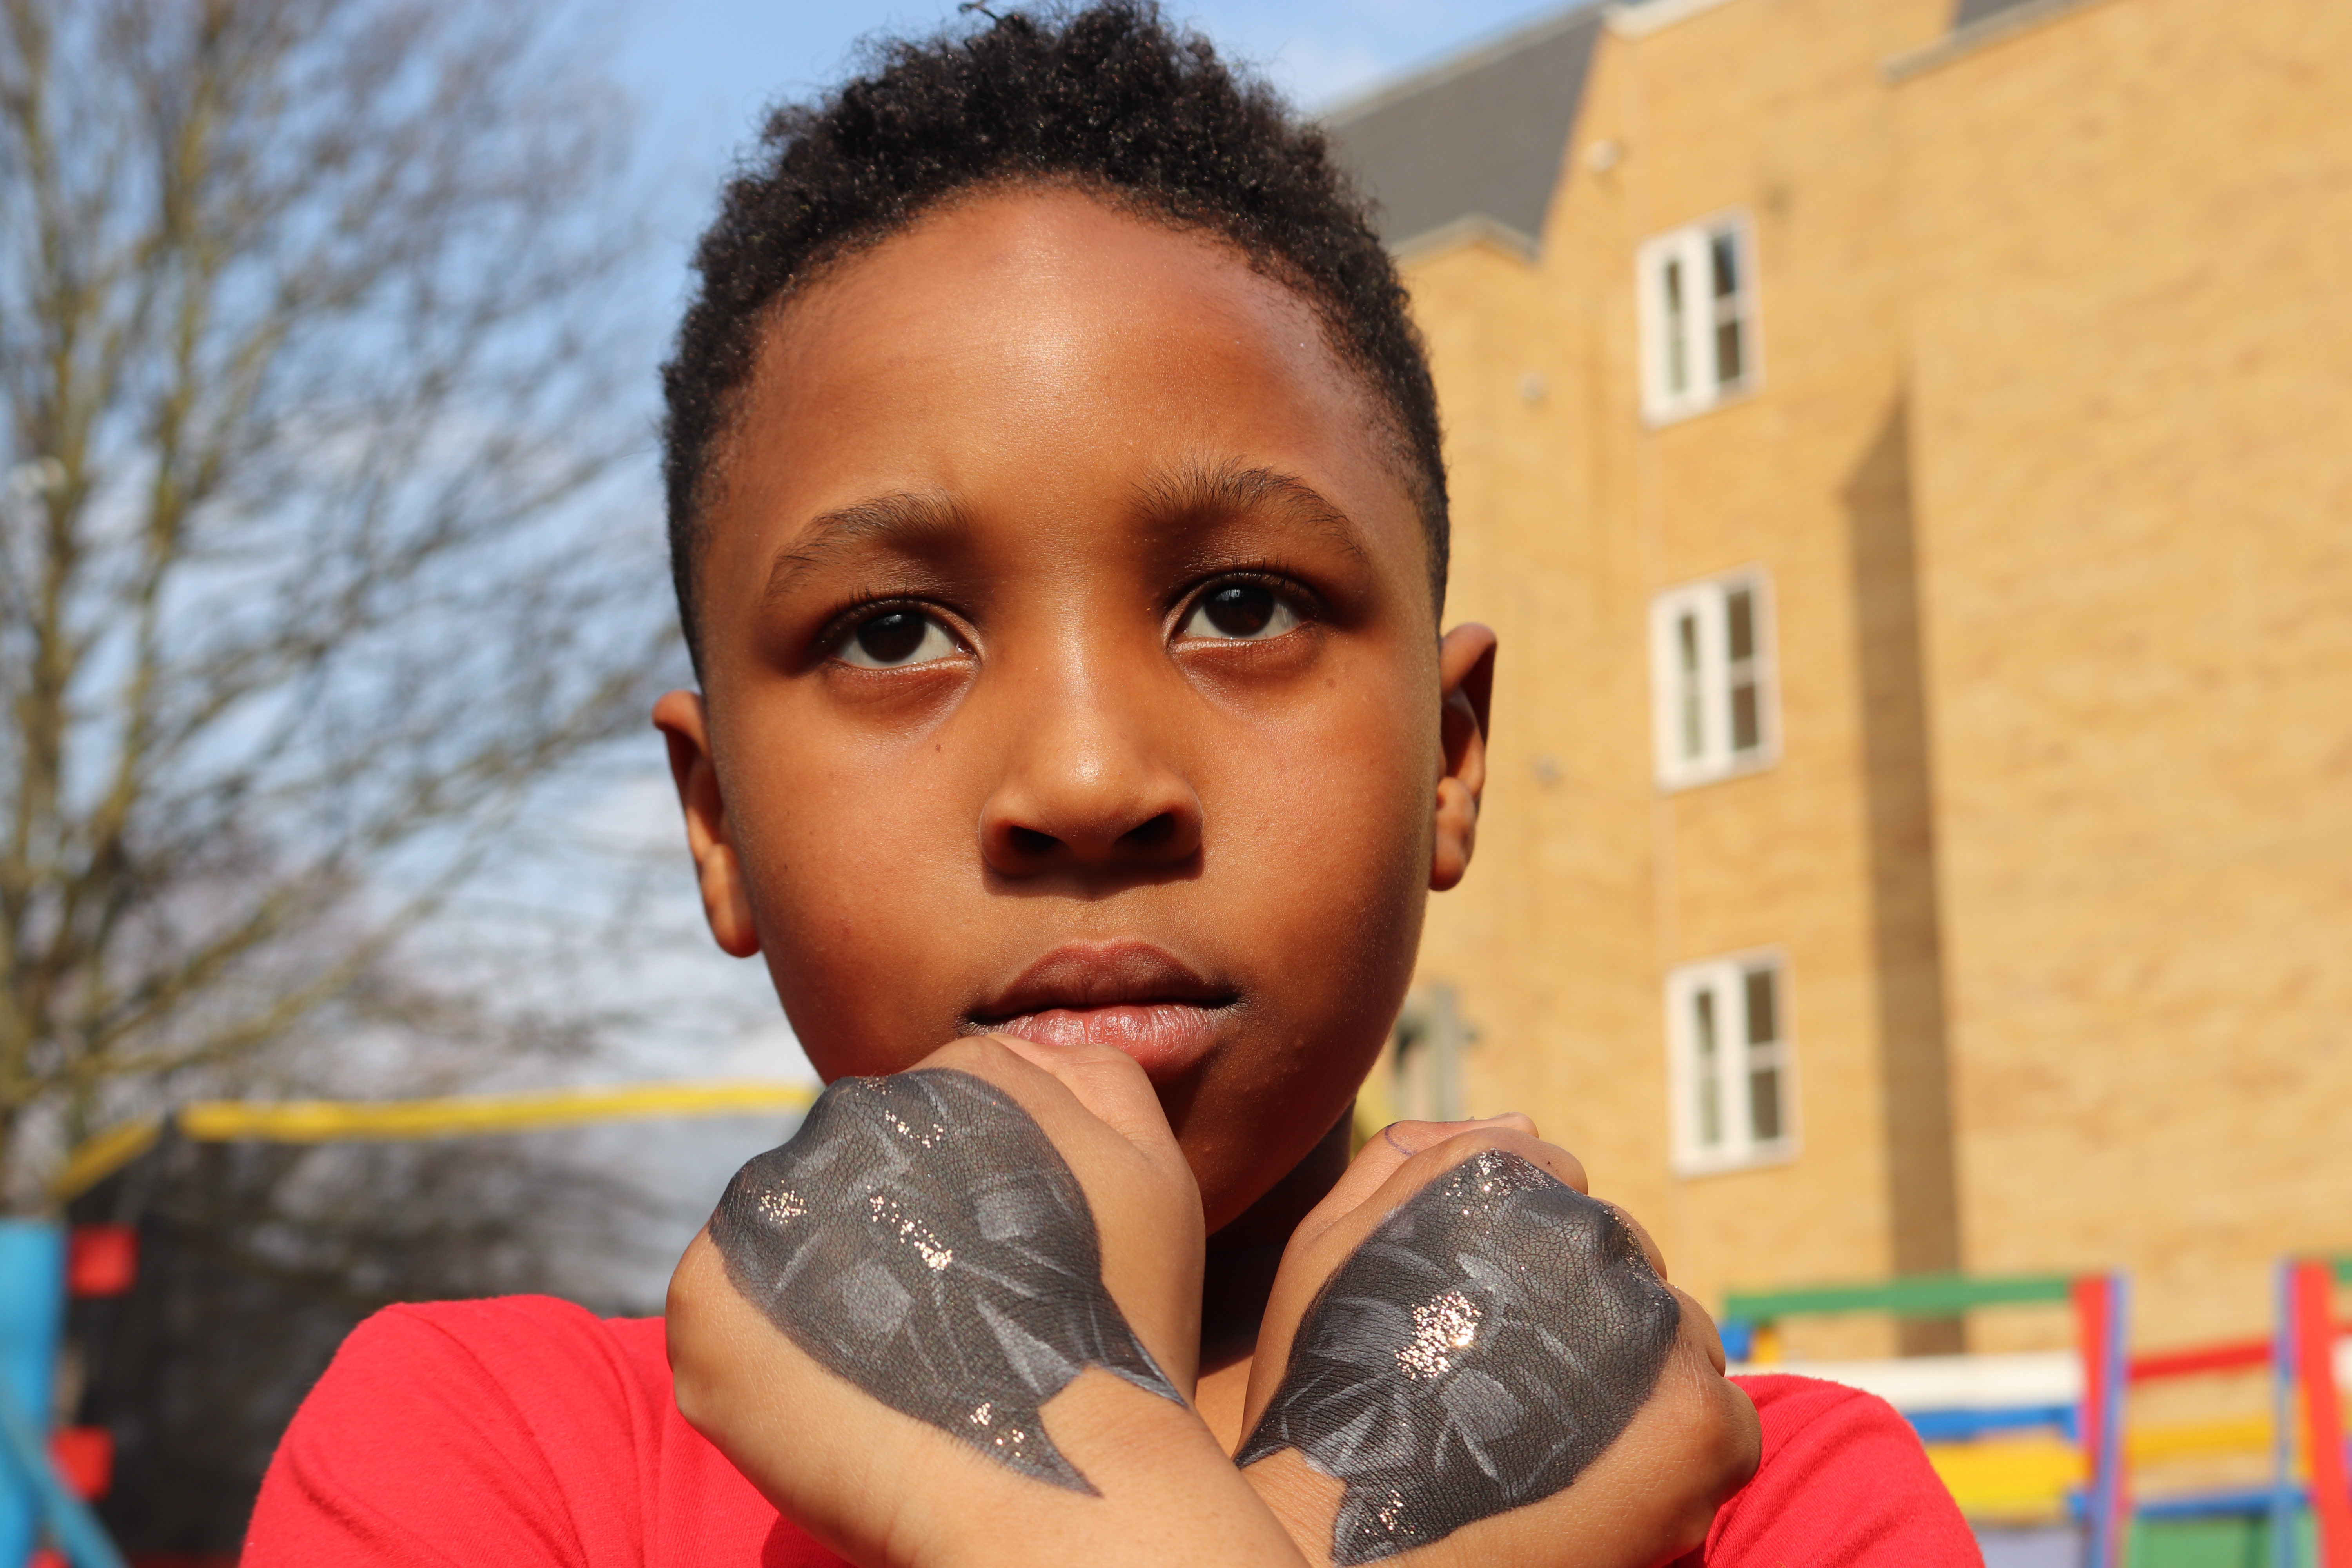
pixel 1395 443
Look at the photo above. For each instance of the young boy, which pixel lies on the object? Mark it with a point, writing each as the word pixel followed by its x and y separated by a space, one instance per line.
pixel 1059 529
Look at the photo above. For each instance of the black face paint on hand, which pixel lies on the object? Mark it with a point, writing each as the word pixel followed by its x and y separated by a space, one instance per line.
pixel 921 1237
pixel 1481 1347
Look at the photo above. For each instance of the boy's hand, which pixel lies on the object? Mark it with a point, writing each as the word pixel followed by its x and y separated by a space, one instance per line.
pixel 1488 1368
pixel 956 1319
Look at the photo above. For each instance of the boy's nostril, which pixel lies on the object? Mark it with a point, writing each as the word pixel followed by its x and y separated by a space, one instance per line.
pixel 1031 844
pixel 1157 831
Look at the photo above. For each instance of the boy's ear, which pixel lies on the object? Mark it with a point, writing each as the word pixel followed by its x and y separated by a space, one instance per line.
pixel 684 724
pixel 1465 688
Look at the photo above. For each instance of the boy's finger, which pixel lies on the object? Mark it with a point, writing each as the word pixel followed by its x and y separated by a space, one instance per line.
pixel 1405 1143
pixel 1410 1138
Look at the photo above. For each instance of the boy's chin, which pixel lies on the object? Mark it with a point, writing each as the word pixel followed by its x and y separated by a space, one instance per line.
pixel 1167 1040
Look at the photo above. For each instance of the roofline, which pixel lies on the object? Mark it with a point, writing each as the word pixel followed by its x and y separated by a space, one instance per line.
pixel 1981 33
pixel 1640 18
pixel 1584 11
pixel 1470 229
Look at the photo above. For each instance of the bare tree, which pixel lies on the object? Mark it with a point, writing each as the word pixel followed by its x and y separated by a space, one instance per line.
pixel 308 576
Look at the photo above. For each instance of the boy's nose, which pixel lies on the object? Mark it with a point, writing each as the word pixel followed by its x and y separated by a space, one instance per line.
pixel 1088 801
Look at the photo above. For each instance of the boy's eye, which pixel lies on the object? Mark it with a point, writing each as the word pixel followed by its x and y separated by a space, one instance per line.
pixel 1240 612
pixel 897 639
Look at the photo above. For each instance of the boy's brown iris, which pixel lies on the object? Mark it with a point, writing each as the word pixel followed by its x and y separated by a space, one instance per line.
pixel 1240 609
pixel 893 637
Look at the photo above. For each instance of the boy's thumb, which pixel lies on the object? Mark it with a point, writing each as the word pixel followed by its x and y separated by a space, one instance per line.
pixel 1110 1084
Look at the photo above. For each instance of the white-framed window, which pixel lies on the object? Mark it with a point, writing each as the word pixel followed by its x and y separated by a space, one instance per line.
pixel 1731 1068
pixel 1697 297
pixel 1714 709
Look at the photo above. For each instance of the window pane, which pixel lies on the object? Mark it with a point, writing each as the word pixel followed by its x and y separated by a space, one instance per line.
pixel 1710 1092
pixel 1763 1010
pixel 1747 733
pixel 1764 1104
pixel 1739 622
pixel 1725 250
pixel 1677 365
pixel 1693 711
pixel 1730 354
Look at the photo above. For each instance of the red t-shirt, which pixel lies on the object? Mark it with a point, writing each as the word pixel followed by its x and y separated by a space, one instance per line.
pixel 529 1433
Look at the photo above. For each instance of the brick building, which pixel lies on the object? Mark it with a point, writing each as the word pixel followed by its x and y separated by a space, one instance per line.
pixel 1906 451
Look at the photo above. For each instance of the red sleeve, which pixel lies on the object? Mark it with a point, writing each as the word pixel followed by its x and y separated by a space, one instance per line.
pixel 416 1451
pixel 1844 1482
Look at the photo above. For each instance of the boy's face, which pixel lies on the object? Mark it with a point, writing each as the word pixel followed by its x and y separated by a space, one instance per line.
pixel 1070 670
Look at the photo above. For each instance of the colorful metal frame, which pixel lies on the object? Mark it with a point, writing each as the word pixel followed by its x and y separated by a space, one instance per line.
pixel 2102 1305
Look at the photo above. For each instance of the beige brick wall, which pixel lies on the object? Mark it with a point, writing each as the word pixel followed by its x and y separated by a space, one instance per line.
pixel 2133 353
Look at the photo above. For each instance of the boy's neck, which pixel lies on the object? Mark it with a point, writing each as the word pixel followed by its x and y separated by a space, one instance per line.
pixel 1243 1256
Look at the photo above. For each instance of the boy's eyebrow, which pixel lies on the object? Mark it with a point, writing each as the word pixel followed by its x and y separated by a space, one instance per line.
pixel 909 520
pixel 1200 489
pixel 901 517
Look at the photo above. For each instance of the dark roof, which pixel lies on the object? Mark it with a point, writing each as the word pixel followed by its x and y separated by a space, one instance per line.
pixel 1479 136
pixel 1483 134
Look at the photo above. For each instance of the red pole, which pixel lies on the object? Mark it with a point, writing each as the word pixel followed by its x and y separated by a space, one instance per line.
pixel 2099 1325
pixel 2323 1414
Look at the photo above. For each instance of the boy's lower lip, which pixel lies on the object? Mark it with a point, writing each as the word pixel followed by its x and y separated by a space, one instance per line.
pixel 1165 1038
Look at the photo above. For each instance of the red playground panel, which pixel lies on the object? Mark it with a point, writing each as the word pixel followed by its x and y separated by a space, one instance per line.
pixel 101 1259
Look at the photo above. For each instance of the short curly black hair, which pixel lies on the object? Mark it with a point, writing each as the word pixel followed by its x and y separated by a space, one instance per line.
pixel 1109 99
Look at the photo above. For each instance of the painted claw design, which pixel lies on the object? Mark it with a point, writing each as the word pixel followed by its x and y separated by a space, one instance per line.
pixel 921 1237
pixel 1486 1342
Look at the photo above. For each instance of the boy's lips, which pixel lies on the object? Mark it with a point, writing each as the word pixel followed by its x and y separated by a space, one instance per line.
pixel 1130 995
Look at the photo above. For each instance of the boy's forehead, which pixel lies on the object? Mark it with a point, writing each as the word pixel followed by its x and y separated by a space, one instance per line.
pixel 1044 335
pixel 1049 282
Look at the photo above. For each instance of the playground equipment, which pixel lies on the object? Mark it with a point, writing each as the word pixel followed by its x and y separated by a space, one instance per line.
pixel 457 1116
pixel 2041 1435
pixel 2085 1408
pixel 45 1475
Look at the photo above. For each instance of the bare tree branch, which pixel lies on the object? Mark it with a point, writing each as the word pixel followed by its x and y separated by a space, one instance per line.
pixel 308 576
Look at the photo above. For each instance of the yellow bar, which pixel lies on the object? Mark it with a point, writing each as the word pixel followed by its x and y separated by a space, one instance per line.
pixel 2250 1434
pixel 2012 1478
pixel 2029 1476
pixel 323 1121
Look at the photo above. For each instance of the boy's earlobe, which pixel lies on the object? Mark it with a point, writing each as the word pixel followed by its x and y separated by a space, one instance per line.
pixel 1466 686
pixel 685 726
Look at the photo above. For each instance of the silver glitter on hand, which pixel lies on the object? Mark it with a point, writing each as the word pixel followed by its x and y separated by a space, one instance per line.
pixel 921 1237
pixel 1487 1341
pixel 1448 1324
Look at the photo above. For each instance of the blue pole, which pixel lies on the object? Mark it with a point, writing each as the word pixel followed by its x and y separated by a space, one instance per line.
pixel 2282 1374
pixel 2115 1502
pixel 32 1321
pixel 71 1524
pixel 32 1324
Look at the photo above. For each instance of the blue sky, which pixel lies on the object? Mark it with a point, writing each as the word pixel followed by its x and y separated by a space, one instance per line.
pixel 714 61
